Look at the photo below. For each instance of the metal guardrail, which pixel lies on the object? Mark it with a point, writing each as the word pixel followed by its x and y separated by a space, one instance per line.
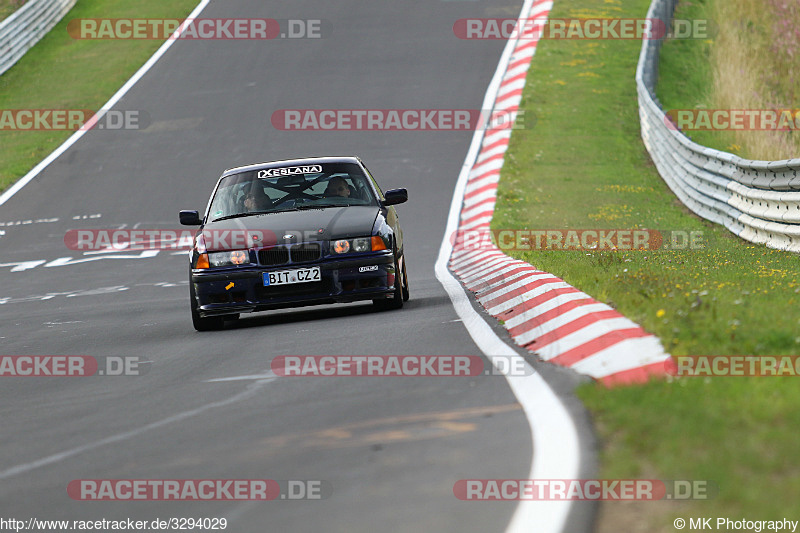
pixel 26 26
pixel 757 200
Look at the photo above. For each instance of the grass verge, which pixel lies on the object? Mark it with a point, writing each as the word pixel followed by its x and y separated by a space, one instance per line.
pixel 584 166
pixel 9 6
pixel 64 73
pixel 748 64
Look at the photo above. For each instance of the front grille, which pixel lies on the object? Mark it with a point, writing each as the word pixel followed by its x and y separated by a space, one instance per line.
pixel 311 251
pixel 299 253
pixel 277 255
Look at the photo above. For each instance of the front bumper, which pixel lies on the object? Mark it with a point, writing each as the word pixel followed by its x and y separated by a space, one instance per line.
pixel 224 291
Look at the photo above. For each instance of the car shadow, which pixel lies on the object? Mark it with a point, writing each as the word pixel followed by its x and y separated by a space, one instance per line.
pixel 310 314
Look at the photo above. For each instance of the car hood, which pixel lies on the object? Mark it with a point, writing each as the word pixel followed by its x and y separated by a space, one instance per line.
pixel 304 225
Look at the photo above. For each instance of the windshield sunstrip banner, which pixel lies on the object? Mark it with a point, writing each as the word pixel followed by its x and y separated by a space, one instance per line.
pixel 289 171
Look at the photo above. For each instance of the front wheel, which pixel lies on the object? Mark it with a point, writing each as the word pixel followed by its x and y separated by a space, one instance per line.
pixel 208 323
pixel 406 292
pixel 396 302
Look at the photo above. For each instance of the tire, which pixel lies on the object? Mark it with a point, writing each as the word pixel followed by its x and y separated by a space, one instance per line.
pixel 396 302
pixel 209 323
pixel 406 292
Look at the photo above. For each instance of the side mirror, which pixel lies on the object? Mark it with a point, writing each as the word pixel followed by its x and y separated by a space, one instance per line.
pixel 190 218
pixel 395 196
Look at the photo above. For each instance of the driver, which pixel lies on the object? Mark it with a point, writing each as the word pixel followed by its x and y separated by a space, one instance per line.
pixel 256 200
pixel 337 186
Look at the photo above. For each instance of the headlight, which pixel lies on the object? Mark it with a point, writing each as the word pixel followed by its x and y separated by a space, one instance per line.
pixel 362 245
pixel 221 259
pixel 341 247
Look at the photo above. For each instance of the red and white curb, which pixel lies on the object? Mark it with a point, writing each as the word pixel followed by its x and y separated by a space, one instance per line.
pixel 542 313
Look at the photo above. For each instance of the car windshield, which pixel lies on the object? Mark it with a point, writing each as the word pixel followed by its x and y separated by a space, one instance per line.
pixel 291 188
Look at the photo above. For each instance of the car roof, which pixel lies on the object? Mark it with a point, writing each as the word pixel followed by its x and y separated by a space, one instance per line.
pixel 293 162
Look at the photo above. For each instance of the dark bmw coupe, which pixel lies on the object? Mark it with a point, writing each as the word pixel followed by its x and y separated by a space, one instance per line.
pixel 294 233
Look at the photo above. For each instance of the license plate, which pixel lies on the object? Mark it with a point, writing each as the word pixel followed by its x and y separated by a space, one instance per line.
pixel 287 277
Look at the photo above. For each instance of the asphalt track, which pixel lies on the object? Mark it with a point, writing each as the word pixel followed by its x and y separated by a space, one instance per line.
pixel 390 448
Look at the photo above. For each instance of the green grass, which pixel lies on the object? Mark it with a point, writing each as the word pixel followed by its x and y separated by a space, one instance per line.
pixel 64 73
pixel 583 166
pixel 686 64
pixel 757 49
pixel 738 433
pixel 9 6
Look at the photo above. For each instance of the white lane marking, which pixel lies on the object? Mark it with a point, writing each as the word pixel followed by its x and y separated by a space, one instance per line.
pixel 23 265
pixel 27 222
pixel 556 453
pixel 101 290
pixel 269 376
pixel 35 171
pixel 67 261
pixel 64 261
pixel 250 390
pixel 88 292
pixel 106 251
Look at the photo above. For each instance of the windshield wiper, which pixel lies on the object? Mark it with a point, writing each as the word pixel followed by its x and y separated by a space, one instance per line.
pixel 239 215
pixel 319 206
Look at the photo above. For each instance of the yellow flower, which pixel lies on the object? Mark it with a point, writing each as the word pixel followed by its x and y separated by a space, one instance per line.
pixel 660 313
